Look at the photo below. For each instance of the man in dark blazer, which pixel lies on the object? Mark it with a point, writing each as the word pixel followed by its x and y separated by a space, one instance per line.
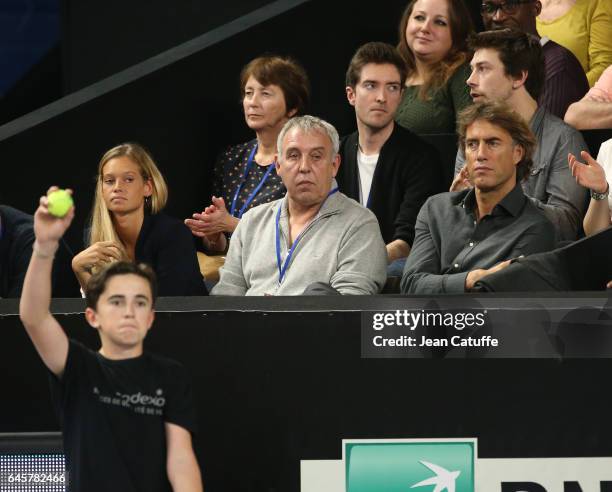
pixel 385 167
pixel 16 238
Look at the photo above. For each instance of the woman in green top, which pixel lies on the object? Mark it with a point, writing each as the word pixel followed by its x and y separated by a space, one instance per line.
pixel 433 42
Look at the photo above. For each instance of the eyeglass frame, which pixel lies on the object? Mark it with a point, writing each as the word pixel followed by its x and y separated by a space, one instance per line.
pixel 514 4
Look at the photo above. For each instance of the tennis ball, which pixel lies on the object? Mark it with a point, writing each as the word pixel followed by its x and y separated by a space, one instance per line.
pixel 59 202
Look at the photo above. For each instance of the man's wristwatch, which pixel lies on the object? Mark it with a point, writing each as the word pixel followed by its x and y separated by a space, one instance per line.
pixel 600 196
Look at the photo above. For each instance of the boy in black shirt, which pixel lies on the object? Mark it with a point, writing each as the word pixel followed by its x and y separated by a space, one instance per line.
pixel 126 414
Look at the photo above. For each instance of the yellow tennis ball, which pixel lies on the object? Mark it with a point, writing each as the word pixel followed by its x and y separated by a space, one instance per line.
pixel 59 202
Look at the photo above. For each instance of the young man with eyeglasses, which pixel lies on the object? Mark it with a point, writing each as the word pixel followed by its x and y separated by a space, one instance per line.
pixel 507 66
pixel 564 79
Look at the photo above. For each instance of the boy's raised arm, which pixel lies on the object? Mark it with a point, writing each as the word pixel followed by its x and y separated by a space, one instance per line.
pixel 44 330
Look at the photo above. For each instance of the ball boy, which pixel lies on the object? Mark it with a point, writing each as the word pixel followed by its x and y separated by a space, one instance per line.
pixel 126 414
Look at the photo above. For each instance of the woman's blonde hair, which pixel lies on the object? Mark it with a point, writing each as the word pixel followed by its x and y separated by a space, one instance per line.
pixel 461 26
pixel 102 228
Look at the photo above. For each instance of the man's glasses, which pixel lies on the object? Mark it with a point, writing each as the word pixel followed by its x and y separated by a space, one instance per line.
pixel 507 7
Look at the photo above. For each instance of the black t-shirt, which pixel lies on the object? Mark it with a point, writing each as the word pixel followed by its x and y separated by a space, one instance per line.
pixel 113 413
pixel 166 244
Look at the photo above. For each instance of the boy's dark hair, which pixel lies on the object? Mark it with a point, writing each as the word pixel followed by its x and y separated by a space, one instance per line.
pixel 500 115
pixel 518 51
pixel 97 283
pixel 379 54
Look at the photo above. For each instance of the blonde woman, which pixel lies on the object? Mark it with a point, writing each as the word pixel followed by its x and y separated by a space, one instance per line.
pixel 127 224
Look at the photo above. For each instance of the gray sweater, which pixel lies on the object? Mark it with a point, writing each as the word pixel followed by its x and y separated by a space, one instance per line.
pixel 342 247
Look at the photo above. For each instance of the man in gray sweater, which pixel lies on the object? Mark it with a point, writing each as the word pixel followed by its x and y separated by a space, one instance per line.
pixel 315 235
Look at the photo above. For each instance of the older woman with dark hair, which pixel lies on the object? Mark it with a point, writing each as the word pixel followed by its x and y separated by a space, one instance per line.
pixel 433 42
pixel 274 89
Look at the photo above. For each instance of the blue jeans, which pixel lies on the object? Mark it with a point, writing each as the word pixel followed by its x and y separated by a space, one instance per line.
pixel 396 268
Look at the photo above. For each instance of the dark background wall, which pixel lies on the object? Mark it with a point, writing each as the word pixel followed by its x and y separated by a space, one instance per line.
pixel 30 62
pixel 28 29
pixel 101 38
pixel 51 48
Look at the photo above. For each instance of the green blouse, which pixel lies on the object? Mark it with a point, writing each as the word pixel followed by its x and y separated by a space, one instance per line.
pixel 437 114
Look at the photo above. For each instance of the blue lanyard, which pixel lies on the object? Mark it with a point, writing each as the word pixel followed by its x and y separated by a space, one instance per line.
pixel 251 197
pixel 282 267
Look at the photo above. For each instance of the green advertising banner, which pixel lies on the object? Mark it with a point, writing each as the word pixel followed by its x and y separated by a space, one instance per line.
pixel 421 465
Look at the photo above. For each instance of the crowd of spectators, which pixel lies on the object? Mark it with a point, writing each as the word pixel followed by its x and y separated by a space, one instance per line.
pixel 299 210
pixel 280 219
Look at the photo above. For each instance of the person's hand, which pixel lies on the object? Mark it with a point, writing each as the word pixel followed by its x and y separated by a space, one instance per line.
pixel 215 242
pixel 48 228
pixel 475 275
pixel 462 180
pixel 214 219
pixel 599 96
pixel 589 174
pixel 96 255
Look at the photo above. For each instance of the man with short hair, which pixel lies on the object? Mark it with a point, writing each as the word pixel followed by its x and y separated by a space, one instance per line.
pixel 126 414
pixel 16 239
pixel 507 66
pixel 463 236
pixel 314 235
pixel 594 110
pixel 564 79
pixel 385 167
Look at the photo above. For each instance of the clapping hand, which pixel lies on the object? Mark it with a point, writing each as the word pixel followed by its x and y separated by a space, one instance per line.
pixel 589 174
pixel 212 220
